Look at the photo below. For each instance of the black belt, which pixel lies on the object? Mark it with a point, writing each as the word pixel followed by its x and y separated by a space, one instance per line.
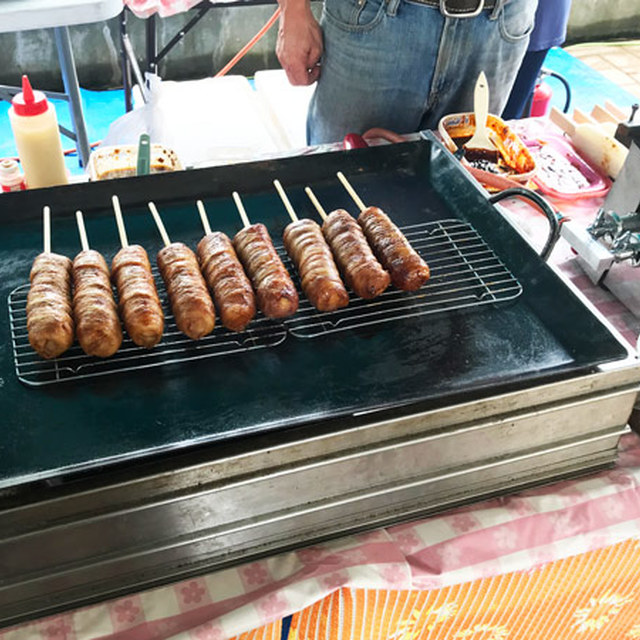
pixel 460 8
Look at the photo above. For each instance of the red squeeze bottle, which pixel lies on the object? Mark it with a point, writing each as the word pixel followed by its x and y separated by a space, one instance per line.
pixel 11 178
pixel 35 129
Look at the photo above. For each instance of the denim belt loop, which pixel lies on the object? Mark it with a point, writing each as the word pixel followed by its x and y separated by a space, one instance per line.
pixel 392 7
pixel 496 10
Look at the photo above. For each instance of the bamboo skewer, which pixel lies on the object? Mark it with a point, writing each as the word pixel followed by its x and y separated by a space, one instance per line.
pixel 203 217
pixel 285 201
pixel 241 210
pixel 84 241
pixel 46 221
pixel 122 232
pixel 351 191
pixel 158 220
pixel 316 203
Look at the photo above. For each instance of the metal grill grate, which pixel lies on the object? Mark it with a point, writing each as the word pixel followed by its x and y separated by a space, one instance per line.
pixel 174 347
pixel 465 273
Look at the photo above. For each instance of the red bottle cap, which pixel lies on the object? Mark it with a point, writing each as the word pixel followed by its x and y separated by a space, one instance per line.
pixel 29 102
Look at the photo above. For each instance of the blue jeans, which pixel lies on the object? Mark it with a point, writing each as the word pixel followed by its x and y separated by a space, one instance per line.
pixel 402 65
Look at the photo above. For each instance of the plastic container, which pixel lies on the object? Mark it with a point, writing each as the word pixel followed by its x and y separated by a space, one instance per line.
pixel 563 173
pixel 516 163
pixel 35 129
pixel 11 178
pixel 120 161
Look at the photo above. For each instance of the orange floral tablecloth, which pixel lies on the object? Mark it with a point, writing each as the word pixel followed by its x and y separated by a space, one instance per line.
pixel 594 595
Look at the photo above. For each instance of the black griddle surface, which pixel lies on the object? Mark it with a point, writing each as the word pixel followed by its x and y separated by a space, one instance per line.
pixel 411 364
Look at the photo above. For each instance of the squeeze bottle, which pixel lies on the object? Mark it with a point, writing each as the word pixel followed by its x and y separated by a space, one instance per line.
pixel 11 178
pixel 35 129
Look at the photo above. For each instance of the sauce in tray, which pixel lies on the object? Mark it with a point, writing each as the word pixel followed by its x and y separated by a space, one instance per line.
pixel 491 161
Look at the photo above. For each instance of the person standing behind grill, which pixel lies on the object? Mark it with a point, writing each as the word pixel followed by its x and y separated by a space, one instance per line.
pixel 550 30
pixel 400 64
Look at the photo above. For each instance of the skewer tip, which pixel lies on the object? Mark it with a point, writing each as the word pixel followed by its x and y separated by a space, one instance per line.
pixel 203 217
pixel 285 200
pixel 46 218
pixel 316 202
pixel 158 220
pixel 241 209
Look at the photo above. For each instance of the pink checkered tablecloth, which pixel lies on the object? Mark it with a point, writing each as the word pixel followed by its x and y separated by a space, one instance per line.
pixel 494 537
pixel 164 8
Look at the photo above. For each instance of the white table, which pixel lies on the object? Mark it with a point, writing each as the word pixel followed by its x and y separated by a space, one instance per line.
pixel 22 15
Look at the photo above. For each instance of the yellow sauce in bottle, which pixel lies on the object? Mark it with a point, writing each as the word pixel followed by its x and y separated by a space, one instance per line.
pixel 35 129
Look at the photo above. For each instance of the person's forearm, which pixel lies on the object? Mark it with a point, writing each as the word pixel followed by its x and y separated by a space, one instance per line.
pixel 299 45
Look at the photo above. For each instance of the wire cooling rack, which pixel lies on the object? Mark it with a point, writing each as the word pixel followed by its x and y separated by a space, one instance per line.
pixel 174 347
pixel 465 273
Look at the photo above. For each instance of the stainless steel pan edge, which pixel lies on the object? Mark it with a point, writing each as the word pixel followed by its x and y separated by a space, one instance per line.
pixel 286 450
pixel 60 552
pixel 29 596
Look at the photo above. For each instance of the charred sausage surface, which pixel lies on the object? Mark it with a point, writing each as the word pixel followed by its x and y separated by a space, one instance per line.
pixel 94 309
pixel 190 301
pixel 49 311
pixel 362 272
pixel 139 303
pixel 319 275
pixel 407 269
pixel 232 293
pixel 275 291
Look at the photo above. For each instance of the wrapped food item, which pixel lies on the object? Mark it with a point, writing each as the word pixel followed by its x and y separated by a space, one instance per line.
pixel 120 161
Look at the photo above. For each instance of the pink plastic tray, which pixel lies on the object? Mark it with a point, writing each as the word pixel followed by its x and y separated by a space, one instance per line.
pixel 563 173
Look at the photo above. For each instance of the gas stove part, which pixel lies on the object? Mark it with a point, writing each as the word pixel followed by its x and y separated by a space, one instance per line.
pixel 608 224
pixel 629 131
pixel 627 247
pixel 594 258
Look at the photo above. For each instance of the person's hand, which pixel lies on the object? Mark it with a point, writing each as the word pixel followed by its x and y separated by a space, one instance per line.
pixel 299 45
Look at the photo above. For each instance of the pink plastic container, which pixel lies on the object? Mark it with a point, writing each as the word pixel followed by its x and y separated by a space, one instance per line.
pixel 563 173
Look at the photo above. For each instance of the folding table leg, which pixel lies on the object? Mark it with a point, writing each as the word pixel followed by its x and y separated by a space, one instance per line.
pixel 125 63
pixel 72 89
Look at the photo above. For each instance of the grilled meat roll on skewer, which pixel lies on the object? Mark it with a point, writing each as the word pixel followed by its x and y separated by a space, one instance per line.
pixel 307 248
pixel 188 295
pixel 319 275
pixel 407 269
pixel 96 314
pixel 362 272
pixel 232 292
pixel 139 302
pixel 140 306
pixel 190 301
pixel 49 312
pixel 275 291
